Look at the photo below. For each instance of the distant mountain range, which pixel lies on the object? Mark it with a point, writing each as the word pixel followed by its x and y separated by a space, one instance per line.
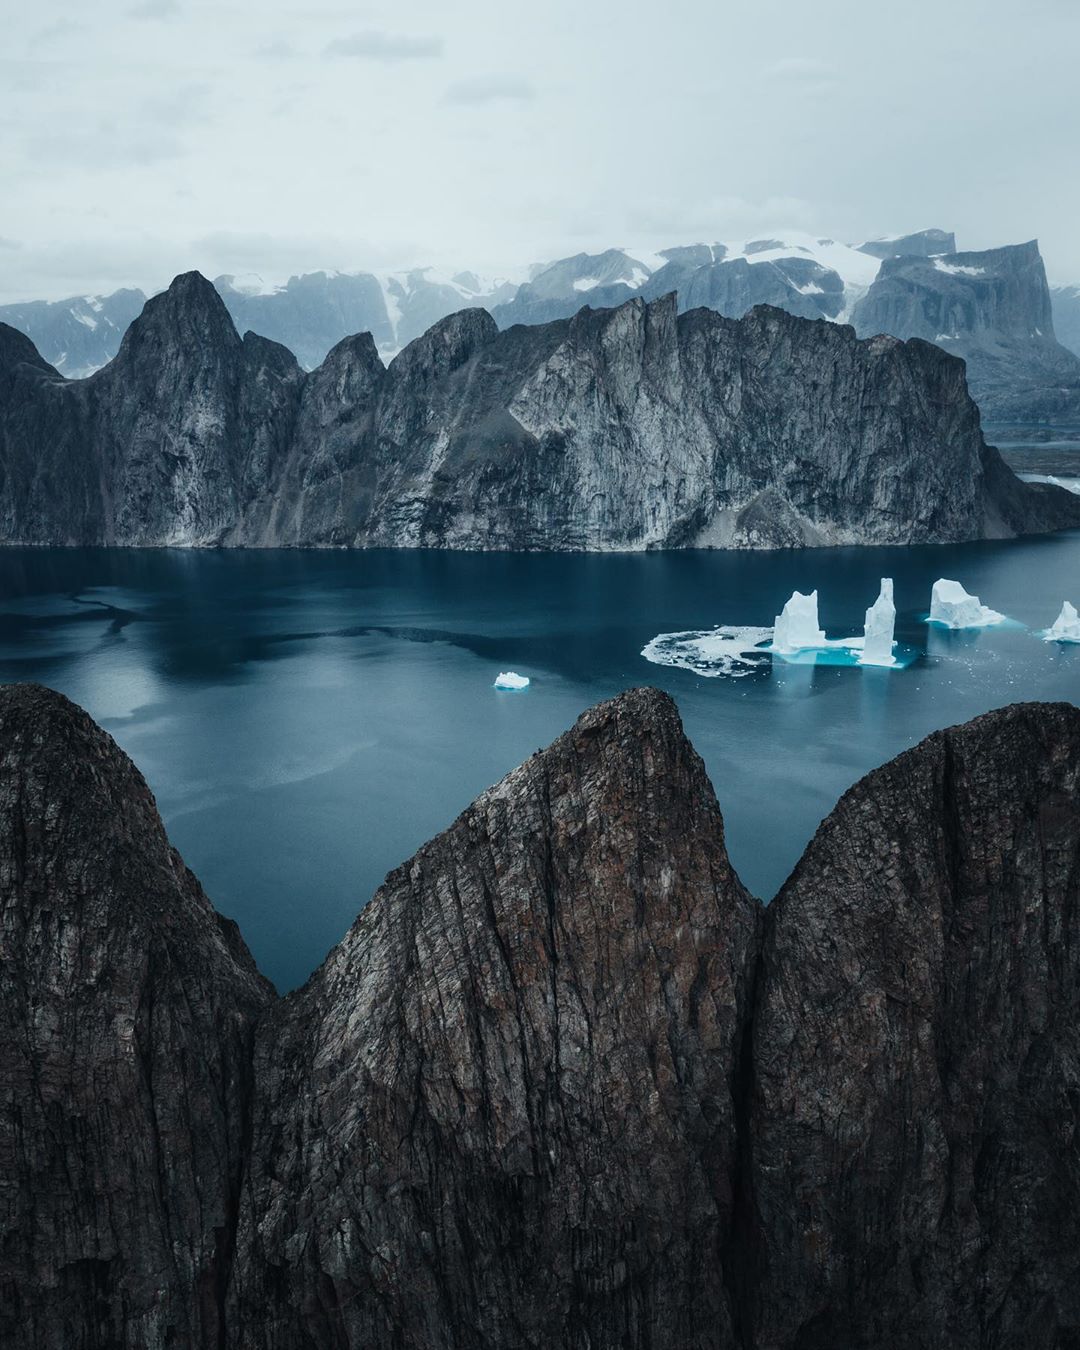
pixel 993 308
pixel 627 428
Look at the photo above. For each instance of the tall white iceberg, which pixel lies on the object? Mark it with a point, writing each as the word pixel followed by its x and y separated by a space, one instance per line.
pixel 796 628
pixel 952 607
pixel 1066 627
pixel 877 648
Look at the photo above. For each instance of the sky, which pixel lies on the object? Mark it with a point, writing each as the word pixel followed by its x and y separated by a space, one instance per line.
pixel 142 138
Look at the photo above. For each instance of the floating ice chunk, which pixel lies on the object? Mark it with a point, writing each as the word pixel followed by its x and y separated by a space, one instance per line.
pixel 952 607
pixel 1066 627
pixel 796 628
pixel 877 646
pixel 510 679
pixel 727 650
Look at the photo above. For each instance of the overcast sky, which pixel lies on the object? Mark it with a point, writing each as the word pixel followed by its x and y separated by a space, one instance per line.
pixel 144 138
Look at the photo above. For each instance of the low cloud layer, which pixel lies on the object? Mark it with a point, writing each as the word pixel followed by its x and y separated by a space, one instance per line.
pixel 277 137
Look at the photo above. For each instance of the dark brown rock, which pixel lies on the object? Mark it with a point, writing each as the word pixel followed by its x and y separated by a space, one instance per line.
pixel 126 1015
pixel 915 1117
pixel 502 1112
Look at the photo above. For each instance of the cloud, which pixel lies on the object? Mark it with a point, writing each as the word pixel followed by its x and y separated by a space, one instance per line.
pixel 489 89
pixel 104 147
pixel 278 50
pixel 800 68
pixel 154 9
pixel 9 243
pixel 378 46
pixel 185 105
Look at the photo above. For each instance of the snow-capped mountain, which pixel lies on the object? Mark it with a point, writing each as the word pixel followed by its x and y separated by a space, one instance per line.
pixel 992 308
pixel 79 334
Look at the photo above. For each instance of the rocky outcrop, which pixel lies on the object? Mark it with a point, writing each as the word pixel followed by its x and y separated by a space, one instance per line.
pixel 630 428
pixel 993 309
pixel 502 1112
pixel 127 1008
pixel 916 1049
pixel 564 1083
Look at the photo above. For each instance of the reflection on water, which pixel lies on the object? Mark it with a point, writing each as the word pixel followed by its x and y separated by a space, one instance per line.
pixel 307 719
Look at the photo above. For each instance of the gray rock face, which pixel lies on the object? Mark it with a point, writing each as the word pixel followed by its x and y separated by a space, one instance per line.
pixel 1065 307
pixel 127 1009
pixel 922 244
pixel 630 428
pixel 993 309
pixel 916 1054
pixel 78 335
pixel 564 1083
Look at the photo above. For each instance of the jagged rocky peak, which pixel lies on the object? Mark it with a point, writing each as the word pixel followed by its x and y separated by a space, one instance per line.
pixel 564 1082
pixel 188 321
pixel 922 244
pixel 917 1053
pixel 126 1013
pixel 445 346
pixel 524 1051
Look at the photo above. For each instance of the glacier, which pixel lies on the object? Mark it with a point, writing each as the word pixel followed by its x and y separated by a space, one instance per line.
pixel 878 641
pixel 1066 627
pixel 510 679
pixel 952 607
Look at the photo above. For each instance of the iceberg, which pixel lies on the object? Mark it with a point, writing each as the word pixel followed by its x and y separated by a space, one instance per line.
pixel 952 607
pixel 877 645
pixel 796 627
pixel 510 679
pixel 1066 627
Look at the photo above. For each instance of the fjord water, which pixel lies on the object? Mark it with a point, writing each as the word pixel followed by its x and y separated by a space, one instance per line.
pixel 307 719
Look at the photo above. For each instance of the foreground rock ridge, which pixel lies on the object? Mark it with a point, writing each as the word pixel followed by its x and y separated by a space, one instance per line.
pixel 564 1083
pixel 628 428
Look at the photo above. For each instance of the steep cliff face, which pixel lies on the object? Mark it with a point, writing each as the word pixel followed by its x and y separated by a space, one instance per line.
pixel 126 1015
pixel 617 429
pixel 502 1112
pixel 168 444
pixel 993 309
pixel 916 1103
pixel 564 1083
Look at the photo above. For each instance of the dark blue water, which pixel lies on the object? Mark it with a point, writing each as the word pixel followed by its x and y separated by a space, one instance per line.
pixel 307 719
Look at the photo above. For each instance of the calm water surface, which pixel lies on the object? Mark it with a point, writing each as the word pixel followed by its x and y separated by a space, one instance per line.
pixel 307 719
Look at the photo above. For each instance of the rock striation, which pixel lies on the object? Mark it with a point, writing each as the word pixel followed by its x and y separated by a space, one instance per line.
pixel 630 428
pixel 564 1083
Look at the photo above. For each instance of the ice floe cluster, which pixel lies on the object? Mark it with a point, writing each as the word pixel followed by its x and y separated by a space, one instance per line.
pixel 796 635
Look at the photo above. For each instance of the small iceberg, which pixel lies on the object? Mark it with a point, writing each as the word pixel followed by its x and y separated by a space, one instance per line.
pixel 952 607
pixel 878 642
pixel 796 627
pixel 510 679
pixel 1066 627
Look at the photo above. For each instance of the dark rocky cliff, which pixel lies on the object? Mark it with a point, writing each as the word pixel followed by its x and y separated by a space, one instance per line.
pixel 629 428
pixel 564 1084
pixel 127 1009
pixel 916 1100
pixel 993 309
